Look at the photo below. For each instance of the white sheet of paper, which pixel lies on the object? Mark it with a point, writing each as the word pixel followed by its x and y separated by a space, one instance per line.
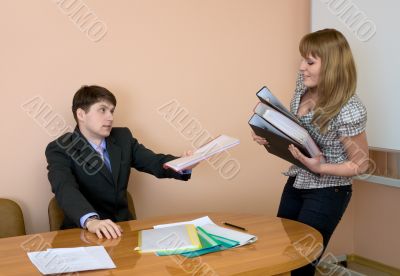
pixel 197 222
pixel 63 260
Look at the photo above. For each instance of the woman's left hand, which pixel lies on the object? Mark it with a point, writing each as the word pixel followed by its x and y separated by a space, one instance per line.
pixel 313 164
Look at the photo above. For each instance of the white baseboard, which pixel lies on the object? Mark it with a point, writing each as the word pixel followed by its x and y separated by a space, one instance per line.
pixel 341 258
pixel 334 269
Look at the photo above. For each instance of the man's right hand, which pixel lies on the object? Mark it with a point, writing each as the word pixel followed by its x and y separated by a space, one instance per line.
pixel 260 140
pixel 104 227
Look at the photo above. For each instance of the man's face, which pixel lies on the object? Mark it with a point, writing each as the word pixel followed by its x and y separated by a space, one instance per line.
pixel 97 122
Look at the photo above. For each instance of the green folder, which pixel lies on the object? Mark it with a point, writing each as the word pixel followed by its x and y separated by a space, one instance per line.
pixel 210 243
pixel 206 243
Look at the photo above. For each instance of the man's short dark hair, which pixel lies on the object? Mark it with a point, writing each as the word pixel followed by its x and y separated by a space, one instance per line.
pixel 88 95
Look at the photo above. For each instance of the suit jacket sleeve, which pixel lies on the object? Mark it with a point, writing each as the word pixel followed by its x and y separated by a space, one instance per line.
pixel 145 160
pixel 64 184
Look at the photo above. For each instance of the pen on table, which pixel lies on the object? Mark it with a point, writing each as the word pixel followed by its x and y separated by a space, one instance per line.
pixel 235 226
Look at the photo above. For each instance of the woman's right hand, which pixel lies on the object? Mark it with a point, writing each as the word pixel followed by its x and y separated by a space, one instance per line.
pixel 260 140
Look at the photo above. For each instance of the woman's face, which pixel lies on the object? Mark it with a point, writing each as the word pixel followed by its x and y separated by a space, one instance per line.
pixel 310 67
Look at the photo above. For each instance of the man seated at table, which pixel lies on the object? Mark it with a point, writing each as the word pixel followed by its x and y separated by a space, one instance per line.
pixel 89 168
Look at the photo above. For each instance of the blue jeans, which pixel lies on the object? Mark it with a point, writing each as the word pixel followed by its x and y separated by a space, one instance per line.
pixel 320 208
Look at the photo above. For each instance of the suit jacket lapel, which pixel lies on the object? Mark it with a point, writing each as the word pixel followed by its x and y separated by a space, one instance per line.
pixel 90 160
pixel 114 151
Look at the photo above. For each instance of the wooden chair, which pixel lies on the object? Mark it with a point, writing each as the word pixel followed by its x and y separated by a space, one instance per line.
pixel 56 215
pixel 12 219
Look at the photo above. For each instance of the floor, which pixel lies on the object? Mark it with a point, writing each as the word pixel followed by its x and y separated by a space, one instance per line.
pixel 353 269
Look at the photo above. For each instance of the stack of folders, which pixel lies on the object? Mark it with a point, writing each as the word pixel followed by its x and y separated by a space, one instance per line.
pixel 281 128
pixel 191 240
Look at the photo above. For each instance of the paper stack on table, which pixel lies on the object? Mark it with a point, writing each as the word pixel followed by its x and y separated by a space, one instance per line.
pixel 212 238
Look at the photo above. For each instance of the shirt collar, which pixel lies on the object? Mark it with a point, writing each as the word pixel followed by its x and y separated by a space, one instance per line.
pixel 102 145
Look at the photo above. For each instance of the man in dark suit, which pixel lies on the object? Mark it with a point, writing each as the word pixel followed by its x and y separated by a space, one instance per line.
pixel 89 168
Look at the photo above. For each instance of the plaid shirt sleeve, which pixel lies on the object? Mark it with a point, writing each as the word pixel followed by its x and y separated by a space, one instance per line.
pixel 352 119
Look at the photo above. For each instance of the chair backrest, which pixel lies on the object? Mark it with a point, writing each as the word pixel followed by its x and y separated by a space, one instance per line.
pixel 131 206
pixel 12 219
pixel 56 215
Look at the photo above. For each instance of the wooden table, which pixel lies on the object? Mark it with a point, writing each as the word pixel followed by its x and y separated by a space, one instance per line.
pixel 282 246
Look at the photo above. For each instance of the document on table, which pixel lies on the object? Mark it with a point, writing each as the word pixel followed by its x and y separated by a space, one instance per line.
pixel 210 227
pixel 65 260
pixel 197 222
pixel 169 240
pixel 242 238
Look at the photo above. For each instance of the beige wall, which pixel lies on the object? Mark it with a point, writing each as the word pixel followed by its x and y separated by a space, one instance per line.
pixel 210 56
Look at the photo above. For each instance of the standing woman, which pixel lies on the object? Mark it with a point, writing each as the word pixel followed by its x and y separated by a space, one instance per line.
pixel 327 106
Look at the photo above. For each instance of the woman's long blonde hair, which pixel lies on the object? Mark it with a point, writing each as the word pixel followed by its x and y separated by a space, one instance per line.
pixel 338 76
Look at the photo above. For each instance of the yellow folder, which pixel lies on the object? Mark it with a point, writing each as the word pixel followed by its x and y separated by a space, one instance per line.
pixel 171 240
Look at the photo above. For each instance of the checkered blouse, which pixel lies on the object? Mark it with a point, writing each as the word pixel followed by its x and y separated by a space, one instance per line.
pixel 350 121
